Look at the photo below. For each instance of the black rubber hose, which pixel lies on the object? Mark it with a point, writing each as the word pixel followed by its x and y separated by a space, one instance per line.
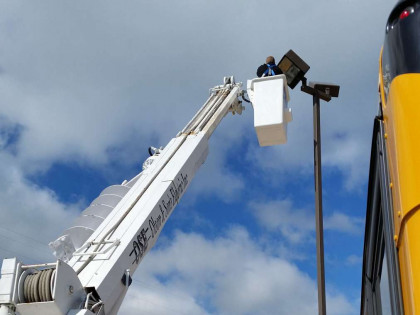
pixel 246 100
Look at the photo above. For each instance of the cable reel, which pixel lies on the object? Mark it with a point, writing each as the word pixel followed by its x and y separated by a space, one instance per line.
pixel 36 285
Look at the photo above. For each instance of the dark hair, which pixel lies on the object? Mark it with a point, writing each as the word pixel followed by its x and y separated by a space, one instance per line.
pixel 270 59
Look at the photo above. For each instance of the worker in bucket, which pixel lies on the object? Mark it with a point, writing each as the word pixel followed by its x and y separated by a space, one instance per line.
pixel 269 68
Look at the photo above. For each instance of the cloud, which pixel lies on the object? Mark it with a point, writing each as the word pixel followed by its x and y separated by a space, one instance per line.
pixel 231 274
pixel 30 216
pixel 344 223
pixel 158 298
pixel 98 94
pixel 216 176
pixel 354 260
pixel 88 85
pixel 297 225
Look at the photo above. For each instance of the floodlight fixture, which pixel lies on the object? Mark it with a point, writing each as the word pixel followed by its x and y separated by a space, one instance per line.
pixel 293 67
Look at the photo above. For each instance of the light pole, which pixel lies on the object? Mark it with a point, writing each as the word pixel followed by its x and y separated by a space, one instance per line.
pixel 295 69
pixel 319 224
pixel 319 91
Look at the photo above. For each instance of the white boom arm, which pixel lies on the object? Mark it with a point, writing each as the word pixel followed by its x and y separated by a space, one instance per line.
pixel 95 270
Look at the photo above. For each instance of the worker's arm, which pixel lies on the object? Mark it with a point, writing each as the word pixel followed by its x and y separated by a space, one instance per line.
pixel 261 69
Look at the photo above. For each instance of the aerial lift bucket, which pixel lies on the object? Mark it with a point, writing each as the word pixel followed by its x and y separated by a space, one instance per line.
pixel 269 97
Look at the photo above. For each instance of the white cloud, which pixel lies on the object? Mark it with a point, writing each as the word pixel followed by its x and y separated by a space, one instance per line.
pixel 158 298
pixel 31 217
pixel 227 275
pixel 216 177
pixel 297 225
pixel 82 81
pixel 344 223
pixel 97 92
pixel 354 260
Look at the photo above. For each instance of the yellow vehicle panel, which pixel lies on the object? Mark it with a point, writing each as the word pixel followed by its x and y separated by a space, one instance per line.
pixel 401 112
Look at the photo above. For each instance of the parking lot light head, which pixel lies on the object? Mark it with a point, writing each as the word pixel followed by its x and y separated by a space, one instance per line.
pixel 327 88
pixel 293 67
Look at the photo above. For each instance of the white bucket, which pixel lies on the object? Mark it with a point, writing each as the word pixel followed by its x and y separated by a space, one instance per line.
pixel 269 97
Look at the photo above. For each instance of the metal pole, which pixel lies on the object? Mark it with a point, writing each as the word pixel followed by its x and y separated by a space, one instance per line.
pixel 318 208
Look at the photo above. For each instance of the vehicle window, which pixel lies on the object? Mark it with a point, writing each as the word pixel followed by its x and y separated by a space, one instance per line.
pixel 385 293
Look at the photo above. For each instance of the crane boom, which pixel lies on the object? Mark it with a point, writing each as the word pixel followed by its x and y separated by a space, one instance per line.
pixel 93 278
pixel 98 255
pixel 140 216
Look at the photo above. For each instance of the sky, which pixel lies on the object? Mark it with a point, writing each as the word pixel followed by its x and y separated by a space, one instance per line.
pixel 87 86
